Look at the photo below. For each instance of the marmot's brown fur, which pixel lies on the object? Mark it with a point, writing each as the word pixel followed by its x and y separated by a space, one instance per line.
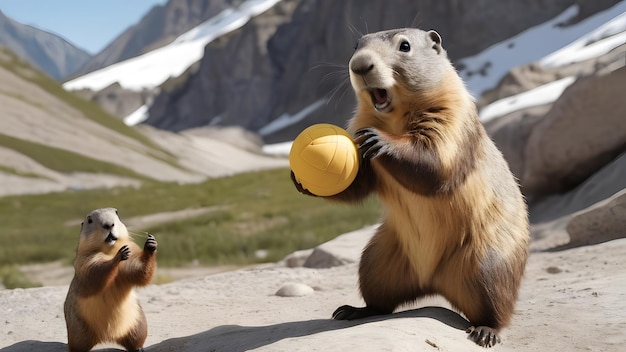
pixel 101 305
pixel 455 222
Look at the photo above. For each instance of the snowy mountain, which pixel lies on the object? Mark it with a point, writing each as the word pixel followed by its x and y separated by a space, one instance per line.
pixel 157 28
pixel 153 68
pixel 280 56
pixel 595 36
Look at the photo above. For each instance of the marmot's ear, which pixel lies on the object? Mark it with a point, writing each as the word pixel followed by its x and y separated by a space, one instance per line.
pixel 436 38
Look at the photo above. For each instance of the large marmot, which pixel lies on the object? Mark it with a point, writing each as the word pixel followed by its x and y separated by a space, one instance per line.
pixel 455 221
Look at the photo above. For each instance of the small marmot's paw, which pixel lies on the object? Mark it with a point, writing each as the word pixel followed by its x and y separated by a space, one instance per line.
pixel 151 244
pixel 483 336
pixel 124 252
pixel 299 186
pixel 370 143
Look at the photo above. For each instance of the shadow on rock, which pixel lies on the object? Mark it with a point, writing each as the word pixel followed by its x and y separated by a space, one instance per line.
pixel 236 338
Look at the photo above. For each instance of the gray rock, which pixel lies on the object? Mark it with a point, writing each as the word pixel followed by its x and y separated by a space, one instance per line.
pixel 294 290
pixel 584 130
pixel 298 258
pixel 604 221
pixel 602 185
pixel 118 101
pixel 342 250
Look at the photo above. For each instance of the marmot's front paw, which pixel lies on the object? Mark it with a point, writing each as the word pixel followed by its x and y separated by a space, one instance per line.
pixel 123 253
pixel 151 244
pixel 299 186
pixel 370 143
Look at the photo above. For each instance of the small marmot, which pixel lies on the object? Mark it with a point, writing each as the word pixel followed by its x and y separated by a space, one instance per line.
pixel 455 221
pixel 101 305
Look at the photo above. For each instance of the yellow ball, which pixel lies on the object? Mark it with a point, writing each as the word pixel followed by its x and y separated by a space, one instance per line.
pixel 324 159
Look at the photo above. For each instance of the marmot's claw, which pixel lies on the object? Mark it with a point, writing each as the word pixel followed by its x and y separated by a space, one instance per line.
pixel 151 243
pixel 483 336
pixel 124 252
pixel 299 186
pixel 369 142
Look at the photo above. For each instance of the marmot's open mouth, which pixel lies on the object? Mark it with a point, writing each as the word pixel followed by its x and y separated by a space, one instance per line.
pixel 110 239
pixel 381 99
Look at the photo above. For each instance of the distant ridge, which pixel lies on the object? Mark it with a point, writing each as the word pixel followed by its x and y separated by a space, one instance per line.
pixel 50 53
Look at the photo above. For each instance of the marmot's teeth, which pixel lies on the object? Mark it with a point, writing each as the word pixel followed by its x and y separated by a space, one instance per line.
pixel 111 238
pixel 380 99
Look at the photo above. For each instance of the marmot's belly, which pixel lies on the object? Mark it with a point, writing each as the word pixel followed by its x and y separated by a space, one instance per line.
pixel 110 317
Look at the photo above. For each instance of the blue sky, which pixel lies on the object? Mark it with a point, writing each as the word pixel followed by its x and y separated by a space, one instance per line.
pixel 88 24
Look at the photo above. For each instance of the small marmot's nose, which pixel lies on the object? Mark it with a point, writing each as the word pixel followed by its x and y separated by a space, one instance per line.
pixel 108 225
pixel 361 65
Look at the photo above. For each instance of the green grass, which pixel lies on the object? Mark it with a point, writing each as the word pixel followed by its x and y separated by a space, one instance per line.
pixel 13 171
pixel 11 277
pixel 62 160
pixel 260 210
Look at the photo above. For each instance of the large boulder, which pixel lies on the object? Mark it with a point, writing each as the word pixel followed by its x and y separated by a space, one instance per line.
pixel 604 221
pixel 602 185
pixel 584 130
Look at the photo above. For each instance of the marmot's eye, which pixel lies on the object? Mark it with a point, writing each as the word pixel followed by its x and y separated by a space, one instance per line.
pixel 89 221
pixel 405 46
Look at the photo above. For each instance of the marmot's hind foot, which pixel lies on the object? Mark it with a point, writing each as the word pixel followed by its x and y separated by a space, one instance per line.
pixel 483 336
pixel 351 313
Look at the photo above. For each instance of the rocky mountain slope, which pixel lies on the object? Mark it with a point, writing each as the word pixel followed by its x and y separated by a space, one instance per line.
pixel 46 51
pixel 296 53
pixel 161 25
pixel 51 140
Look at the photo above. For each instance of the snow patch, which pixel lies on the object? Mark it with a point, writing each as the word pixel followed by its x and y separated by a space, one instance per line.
pixel 153 68
pixel 484 70
pixel 544 94
pixel 599 42
pixel 277 149
pixel 285 120
pixel 138 116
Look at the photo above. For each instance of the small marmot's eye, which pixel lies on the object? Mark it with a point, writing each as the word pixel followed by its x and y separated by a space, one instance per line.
pixel 116 212
pixel 405 46
pixel 89 221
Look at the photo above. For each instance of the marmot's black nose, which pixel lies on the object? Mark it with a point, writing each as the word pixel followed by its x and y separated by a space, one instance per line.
pixel 361 64
pixel 108 225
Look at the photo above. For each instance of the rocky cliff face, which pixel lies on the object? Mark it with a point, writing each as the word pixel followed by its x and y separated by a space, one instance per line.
pixel 294 57
pixel 570 153
pixel 158 27
pixel 48 52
